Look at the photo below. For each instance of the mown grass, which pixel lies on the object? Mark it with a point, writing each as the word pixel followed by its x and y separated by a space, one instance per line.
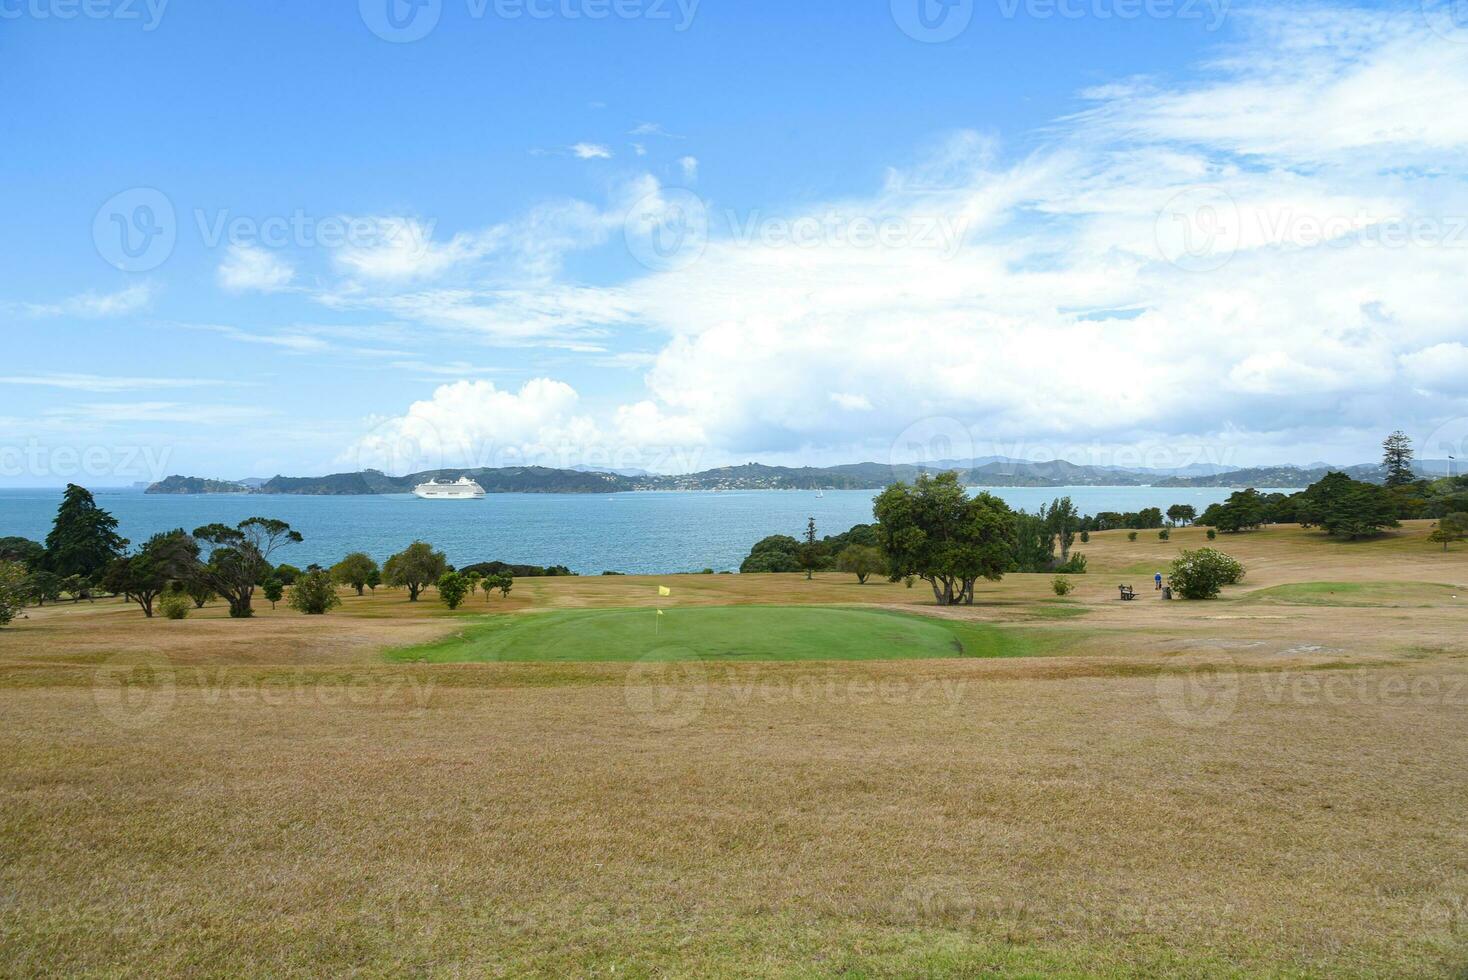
pixel 732 633
pixel 1363 594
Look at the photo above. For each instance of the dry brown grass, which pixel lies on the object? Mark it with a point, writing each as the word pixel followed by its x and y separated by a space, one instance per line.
pixel 1197 788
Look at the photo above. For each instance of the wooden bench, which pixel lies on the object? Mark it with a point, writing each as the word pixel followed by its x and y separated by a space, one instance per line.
pixel 1127 593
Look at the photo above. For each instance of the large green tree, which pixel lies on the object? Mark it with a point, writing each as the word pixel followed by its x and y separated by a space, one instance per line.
pixel 163 558
pixel 416 567
pixel 1396 459
pixel 83 539
pixel 239 558
pixel 1181 513
pixel 13 589
pixel 1244 510
pixel 355 570
pixel 1347 507
pixel 933 529
pixel 1062 520
pixel 29 553
pixel 860 560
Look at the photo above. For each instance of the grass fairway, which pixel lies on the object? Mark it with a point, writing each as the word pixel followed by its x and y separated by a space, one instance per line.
pixel 1390 594
pixel 731 634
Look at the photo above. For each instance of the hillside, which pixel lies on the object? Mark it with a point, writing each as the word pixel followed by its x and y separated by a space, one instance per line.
pixel 994 472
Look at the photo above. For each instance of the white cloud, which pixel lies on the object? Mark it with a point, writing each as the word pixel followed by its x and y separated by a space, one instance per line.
pixel 1314 170
pixel 91 305
pixel 398 249
pixel 651 129
pixel 112 413
pixel 591 151
pixel 1441 368
pixel 246 267
pixel 295 343
pixel 689 166
pixel 852 403
pixel 99 383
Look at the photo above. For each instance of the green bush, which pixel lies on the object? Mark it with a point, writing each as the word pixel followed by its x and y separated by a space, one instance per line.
pixel 1131 535
pixel 1085 537
pixel 1202 574
pixel 1164 534
pixel 1062 586
pixel 452 588
pixel 1076 565
pixel 175 605
pixel 1212 534
pixel 273 589
pixel 314 593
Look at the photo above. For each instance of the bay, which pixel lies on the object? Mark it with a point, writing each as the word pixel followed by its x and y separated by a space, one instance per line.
pixel 638 533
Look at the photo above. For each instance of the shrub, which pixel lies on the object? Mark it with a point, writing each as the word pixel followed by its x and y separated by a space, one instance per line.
pixel 452 588
pixel 1076 565
pixel 1085 537
pixel 909 580
pixel 860 560
pixel 1202 574
pixel 273 588
pixel 314 593
pixel 175 605
pixel 1164 534
pixel 1131 535
pixel 1062 586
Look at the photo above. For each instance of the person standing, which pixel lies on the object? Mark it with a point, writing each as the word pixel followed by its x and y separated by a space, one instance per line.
pixel 1158 579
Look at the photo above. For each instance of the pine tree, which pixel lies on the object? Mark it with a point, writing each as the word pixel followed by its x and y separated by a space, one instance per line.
pixel 84 539
pixel 1396 459
pixel 810 551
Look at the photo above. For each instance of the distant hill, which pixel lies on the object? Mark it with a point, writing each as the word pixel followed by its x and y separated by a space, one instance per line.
pixel 194 484
pixel 990 472
pixel 1284 477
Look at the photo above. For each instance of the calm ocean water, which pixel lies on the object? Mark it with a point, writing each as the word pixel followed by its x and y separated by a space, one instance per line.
pixel 630 532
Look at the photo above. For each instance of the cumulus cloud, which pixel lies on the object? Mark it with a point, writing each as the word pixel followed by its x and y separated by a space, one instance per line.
pixel 591 151
pixel 246 267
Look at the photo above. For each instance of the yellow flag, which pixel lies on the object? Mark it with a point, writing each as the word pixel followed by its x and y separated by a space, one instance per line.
pixel 660 612
pixel 664 590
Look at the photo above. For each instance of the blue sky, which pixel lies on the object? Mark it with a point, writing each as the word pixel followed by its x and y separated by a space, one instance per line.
pixel 405 253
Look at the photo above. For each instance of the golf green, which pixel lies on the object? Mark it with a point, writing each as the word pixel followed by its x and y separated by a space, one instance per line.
pixel 729 633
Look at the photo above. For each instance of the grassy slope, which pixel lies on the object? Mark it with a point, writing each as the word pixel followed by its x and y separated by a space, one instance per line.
pixel 735 633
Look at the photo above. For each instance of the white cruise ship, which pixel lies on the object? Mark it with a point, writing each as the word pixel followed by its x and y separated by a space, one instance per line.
pixel 461 489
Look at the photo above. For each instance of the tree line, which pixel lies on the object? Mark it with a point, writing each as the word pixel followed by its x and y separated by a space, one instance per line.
pixel 84 557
